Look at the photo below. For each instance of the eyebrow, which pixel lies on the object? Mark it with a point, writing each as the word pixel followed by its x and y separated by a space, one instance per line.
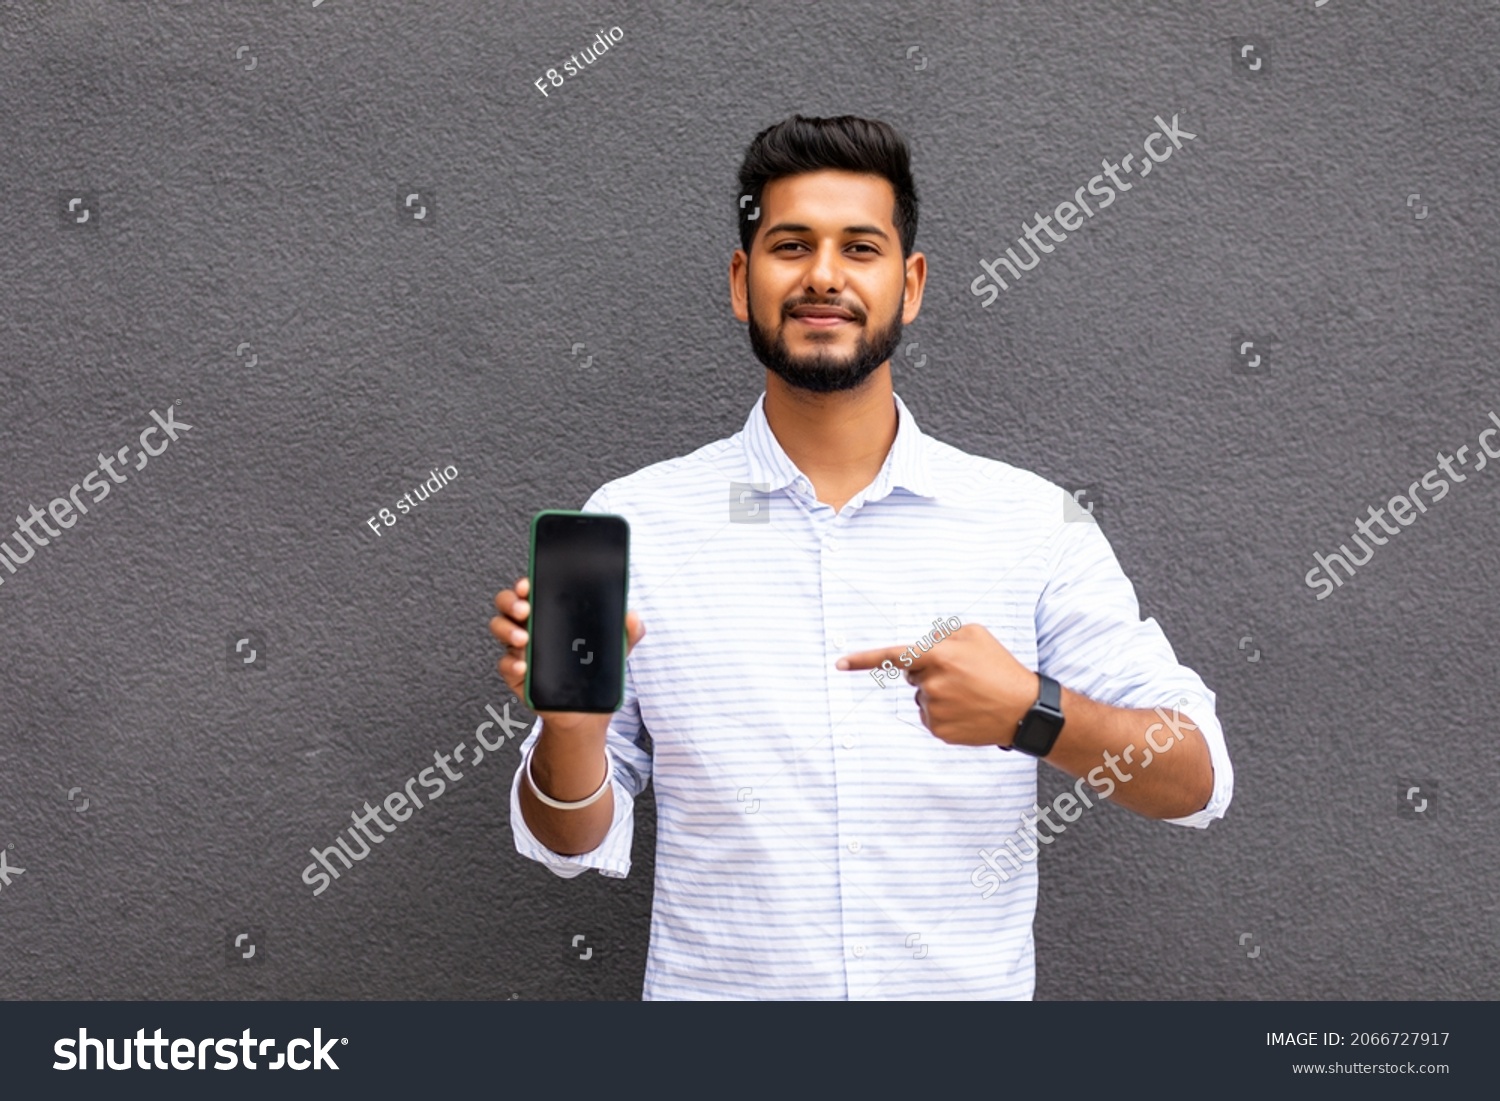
pixel 849 231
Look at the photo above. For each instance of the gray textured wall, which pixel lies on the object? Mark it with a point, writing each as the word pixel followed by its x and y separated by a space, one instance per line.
pixel 248 261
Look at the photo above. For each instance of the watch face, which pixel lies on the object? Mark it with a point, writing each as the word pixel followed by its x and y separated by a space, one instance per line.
pixel 1037 733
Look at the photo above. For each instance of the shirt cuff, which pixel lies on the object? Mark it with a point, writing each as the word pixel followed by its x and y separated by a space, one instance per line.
pixel 612 856
pixel 1199 712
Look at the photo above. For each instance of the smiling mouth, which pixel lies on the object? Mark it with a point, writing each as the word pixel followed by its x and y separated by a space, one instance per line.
pixel 822 321
pixel 821 315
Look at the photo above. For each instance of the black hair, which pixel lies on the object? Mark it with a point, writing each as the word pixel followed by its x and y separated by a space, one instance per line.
pixel 800 144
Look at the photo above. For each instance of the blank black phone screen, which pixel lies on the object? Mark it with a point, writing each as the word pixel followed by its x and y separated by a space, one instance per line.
pixel 579 572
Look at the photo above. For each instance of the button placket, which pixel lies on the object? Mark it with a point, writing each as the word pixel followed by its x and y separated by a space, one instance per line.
pixel 846 629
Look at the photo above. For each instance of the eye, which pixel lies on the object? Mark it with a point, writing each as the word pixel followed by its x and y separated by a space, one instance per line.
pixel 798 244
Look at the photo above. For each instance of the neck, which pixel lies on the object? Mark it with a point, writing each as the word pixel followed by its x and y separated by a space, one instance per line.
pixel 839 440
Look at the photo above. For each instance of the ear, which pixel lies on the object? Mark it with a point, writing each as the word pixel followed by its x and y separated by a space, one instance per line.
pixel 739 275
pixel 915 284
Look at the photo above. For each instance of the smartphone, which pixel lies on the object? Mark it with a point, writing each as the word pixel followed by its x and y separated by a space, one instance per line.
pixel 575 636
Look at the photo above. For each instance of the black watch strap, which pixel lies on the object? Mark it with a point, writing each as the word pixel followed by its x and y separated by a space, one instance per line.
pixel 1038 729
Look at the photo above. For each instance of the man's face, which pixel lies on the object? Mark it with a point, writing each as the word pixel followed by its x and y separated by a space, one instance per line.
pixel 827 293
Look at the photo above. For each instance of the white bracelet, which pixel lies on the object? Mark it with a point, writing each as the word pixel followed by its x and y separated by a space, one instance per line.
pixel 609 772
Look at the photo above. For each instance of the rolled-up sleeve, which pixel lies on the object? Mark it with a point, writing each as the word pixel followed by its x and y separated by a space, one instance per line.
pixel 632 769
pixel 627 744
pixel 1091 639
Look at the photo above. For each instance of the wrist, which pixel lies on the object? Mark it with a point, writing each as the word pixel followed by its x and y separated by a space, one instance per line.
pixel 1042 721
pixel 569 789
pixel 575 730
pixel 1013 706
pixel 566 765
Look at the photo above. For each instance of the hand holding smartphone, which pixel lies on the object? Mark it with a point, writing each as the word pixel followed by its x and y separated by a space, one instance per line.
pixel 567 635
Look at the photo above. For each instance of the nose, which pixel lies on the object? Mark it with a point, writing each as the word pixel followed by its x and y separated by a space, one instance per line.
pixel 825 275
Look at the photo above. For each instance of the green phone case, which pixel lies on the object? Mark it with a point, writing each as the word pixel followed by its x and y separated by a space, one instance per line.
pixel 531 575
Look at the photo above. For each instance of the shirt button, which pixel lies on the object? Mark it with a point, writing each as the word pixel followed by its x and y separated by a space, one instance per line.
pixel 840 641
pixel 859 949
pixel 832 544
pixel 849 744
pixel 854 846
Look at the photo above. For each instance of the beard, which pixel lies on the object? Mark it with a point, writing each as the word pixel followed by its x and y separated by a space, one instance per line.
pixel 825 372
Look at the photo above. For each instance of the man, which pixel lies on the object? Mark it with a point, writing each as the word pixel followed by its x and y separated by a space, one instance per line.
pixel 824 831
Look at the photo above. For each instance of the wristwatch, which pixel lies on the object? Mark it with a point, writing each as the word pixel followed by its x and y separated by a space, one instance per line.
pixel 1039 727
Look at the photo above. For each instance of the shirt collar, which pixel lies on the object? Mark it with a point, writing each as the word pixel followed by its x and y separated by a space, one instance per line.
pixel 906 465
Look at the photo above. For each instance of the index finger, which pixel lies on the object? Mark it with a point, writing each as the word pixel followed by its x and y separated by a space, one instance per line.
pixel 871 659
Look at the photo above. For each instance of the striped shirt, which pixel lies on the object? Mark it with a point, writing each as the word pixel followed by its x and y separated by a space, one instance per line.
pixel 814 839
